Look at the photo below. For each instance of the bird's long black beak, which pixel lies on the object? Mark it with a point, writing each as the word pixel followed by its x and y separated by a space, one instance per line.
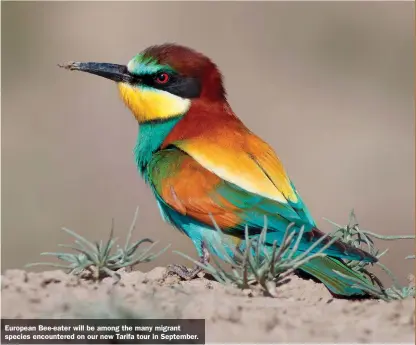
pixel 117 73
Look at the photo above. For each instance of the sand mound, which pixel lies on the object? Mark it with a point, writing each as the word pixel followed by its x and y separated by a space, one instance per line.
pixel 303 312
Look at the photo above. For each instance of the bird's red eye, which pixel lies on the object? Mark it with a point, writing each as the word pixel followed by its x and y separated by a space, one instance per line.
pixel 162 78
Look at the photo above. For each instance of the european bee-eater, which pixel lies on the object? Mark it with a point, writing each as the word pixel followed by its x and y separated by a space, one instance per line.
pixel 201 161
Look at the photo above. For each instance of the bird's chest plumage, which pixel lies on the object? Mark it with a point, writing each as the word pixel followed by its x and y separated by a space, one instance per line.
pixel 150 138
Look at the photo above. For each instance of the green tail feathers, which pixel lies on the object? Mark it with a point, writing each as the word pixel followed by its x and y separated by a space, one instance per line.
pixel 322 268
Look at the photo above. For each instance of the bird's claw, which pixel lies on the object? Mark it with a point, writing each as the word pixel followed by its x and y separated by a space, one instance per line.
pixel 183 272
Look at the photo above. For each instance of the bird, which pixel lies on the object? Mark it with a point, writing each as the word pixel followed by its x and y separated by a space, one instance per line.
pixel 207 170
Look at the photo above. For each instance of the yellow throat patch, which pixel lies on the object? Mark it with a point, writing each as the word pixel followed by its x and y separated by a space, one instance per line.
pixel 149 104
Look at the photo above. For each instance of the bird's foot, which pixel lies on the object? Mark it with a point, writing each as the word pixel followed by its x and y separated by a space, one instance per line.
pixel 186 273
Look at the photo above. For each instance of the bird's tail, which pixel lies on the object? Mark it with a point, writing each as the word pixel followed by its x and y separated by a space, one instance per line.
pixel 322 268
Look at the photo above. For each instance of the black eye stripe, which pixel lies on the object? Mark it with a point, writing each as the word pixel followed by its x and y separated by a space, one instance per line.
pixel 150 79
pixel 185 87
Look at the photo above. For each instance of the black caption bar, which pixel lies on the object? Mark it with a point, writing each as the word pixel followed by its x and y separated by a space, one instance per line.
pixel 106 331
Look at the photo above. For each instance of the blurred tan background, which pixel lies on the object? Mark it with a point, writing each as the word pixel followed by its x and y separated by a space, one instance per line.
pixel 330 85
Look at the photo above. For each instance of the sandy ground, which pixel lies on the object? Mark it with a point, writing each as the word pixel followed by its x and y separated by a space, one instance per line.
pixel 304 311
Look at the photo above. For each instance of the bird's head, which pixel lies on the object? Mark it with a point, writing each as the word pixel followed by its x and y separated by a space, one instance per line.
pixel 162 81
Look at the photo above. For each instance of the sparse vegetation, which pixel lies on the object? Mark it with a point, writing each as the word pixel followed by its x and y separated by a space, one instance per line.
pixel 359 238
pixel 256 267
pixel 98 260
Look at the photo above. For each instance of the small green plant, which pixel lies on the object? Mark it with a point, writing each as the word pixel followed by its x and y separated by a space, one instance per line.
pixel 259 266
pixel 256 265
pixel 364 239
pixel 98 260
